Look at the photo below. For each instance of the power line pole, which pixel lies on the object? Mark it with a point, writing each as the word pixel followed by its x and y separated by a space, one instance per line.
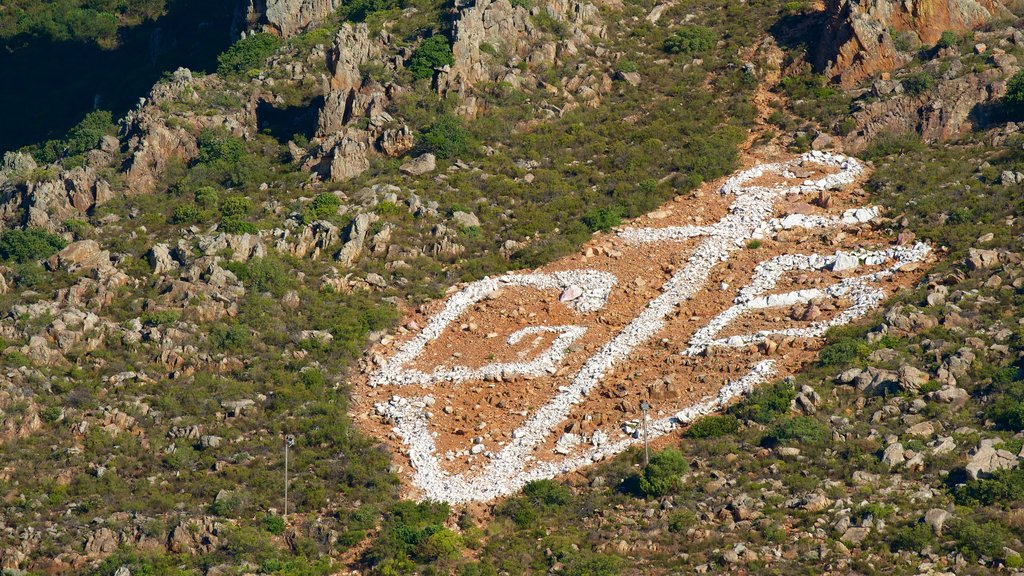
pixel 644 406
pixel 289 441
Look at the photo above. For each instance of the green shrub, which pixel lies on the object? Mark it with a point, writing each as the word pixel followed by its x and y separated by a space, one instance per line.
pixel 547 493
pixel 447 138
pixel 273 524
pixel 518 509
pixel 713 426
pixel 29 245
pixel 764 405
pixel 973 540
pixel 207 197
pixel 662 475
pixel 218 146
pixel 603 219
pixel 236 225
pixel 246 57
pixel 160 317
pixel 441 545
pixel 1008 409
pixel 843 346
pixel 919 83
pixel 913 538
pixel 433 52
pixel 803 429
pixel 948 39
pixel 679 521
pixel 1004 487
pixel 690 40
pixel 324 205
pixel 186 214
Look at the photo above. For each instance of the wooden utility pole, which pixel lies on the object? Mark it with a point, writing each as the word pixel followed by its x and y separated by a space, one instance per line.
pixel 644 406
pixel 289 441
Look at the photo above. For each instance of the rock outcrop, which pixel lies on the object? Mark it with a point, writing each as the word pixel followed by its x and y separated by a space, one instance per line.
pixel 858 39
pixel 289 17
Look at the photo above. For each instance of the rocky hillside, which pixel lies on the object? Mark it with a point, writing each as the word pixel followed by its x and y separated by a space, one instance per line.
pixel 186 286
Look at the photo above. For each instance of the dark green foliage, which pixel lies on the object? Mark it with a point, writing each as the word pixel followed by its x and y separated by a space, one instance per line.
pixel 83 137
pixel 539 497
pixel 919 83
pixel 815 98
pixel 447 137
pixel 273 524
pixel 690 40
pixel 948 39
pixel 325 205
pixel 765 404
pixel 842 346
pixel 267 274
pixel 713 426
pixel 799 429
pixel 406 533
pixel 1003 488
pixel 974 540
pixel 1014 99
pixel 30 244
pixel 432 53
pixel 679 521
pixel 246 57
pixel 547 493
pixel 219 147
pixel 75 20
pixel 603 219
pixel 662 475
pixel 358 10
pixel 186 214
pixel 913 538
pixel 1008 409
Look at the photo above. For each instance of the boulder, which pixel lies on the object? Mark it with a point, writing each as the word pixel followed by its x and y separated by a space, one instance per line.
pixel 466 220
pixel 420 165
pixel 986 458
pixel 978 259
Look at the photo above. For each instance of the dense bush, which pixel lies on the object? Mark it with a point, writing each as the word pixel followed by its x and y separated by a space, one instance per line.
pixel 406 534
pixel 974 540
pixel 662 475
pixel 325 205
pixel 358 10
pixel 433 52
pixel 690 40
pixel 1004 487
pixel 890 144
pixel 603 219
pixel 447 137
pixel 75 20
pixel 28 245
pixel 81 138
pixel 913 538
pixel 246 57
pixel 713 426
pixel 765 404
pixel 919 83
pixel 802 429
pixel 1008 409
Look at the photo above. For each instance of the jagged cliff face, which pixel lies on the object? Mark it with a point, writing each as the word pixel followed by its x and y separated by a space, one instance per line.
pixel 288 17
pixel 858 36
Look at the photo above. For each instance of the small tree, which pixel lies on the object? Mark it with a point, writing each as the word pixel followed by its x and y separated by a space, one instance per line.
pixel 1014 99
pixel 447 138
pixel 247 55
pixel 431 53
pixel 661 475
pixel 29 245
pixel 690 40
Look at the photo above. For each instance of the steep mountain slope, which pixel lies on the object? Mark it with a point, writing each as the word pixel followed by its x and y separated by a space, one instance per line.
pixel 185 289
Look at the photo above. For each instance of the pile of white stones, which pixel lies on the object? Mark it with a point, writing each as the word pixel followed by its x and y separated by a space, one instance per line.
pixel 750 216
